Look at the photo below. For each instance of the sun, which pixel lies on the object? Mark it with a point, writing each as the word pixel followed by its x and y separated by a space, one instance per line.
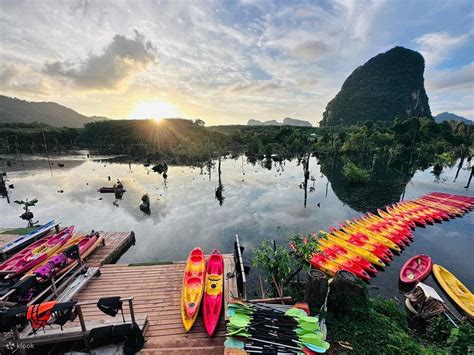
pixel 155 110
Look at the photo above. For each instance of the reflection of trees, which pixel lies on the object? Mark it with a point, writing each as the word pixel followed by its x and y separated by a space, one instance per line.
pixel 220 188
pixel 385 186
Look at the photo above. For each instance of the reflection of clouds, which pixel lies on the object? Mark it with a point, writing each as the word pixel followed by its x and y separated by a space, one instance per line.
pixel 263 206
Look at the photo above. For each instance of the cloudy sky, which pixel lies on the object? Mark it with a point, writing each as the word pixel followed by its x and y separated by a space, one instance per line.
pixel 225 61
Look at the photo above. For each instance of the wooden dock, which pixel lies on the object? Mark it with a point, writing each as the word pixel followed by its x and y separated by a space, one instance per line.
pixel 157 293
pixel 115 244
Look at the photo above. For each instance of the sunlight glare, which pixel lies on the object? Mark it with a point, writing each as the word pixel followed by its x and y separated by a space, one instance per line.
pixel 155 110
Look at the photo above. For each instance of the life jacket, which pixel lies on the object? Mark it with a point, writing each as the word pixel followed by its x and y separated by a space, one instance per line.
pixel 11 317
pixel 40 314
pixel 110 305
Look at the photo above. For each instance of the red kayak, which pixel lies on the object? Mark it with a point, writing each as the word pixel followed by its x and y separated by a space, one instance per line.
pixel 213 293
pixel 416 268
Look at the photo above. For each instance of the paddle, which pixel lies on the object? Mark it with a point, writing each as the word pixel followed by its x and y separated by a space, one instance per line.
pixel 273 327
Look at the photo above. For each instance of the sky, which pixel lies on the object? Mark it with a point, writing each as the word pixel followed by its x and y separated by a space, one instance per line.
pixel 225 62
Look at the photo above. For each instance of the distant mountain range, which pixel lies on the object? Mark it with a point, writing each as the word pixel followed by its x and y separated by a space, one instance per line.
pixel 286 122
pixel 448 116
pixel 14 110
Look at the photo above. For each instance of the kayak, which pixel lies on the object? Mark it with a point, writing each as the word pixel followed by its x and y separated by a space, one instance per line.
pixel 396 233
pixel 345 263
pixel 416 269
pixel 36 253
pixel 362 237
pixel 367 255
pixel 459 293
pixel 59 263
pixel 395 216
pixel 341 236
pixel 109 190
pixel 339 250
pixel 213 293
pixel 193 287
pixel 319 262
pixel 24 239
pixel 383 238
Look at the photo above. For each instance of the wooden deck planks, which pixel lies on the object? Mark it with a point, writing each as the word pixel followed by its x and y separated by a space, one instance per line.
pixel 157 293
pixel 116 243
pixel 7 238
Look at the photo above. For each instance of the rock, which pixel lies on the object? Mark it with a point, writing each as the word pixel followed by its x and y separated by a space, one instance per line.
pixel 390 84
pixel 294 122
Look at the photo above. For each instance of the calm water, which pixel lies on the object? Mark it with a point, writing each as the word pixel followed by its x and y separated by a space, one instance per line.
pixel 261 201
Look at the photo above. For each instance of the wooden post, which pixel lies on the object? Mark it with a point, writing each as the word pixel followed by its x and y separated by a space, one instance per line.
pixel 348 295
pixel 132 312
pixel 316 288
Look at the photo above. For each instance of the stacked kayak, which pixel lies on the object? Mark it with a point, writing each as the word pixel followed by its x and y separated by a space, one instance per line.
pixel 36 253
pixel 25 239
pixel 66 257
pixel 372 240
pixel 202 284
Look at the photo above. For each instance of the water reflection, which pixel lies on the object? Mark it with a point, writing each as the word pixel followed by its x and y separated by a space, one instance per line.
pixel 260 204
pixel 386 183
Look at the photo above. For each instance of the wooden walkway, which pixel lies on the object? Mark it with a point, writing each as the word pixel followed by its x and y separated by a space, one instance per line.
pixel 157 293
pixel 7 238
pixel 116 243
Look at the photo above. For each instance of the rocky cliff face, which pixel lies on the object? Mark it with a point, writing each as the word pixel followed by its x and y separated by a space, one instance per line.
pixel 390 84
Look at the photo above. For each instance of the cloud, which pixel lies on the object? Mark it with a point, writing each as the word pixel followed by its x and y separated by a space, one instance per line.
pixel 18 79
pixel 310 50
pixel 462 78
pixel 110 70
pixel 437 46
pixel 255 87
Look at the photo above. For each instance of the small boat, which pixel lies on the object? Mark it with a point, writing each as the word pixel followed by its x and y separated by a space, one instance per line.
pixel 193 287
pixel 24 239
pixel 416 269
pixel 36 253
pixel 455 289
pixel 106 190
pixel 213 293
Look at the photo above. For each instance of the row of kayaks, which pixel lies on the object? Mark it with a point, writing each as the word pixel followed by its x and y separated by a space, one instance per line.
pixel 370 241
pixel 203 284
pixel 51 255
pixel 419 267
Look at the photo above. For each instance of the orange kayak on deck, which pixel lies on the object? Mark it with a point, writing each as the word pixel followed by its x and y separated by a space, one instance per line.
pixel 193 287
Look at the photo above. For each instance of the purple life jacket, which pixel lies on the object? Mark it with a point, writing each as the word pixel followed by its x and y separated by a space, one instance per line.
pixel 49 269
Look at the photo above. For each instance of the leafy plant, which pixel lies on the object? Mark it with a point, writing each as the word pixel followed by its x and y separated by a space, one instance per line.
pixel 276 262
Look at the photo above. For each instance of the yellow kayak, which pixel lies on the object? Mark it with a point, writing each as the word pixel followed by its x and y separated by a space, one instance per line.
pixel 367 255
pixel 193 287
pixel 459 293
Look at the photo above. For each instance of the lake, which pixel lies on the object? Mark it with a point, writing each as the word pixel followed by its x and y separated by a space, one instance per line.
pixel 261 200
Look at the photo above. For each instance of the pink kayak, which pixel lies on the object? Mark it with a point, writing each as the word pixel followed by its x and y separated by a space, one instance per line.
pixel 213 292
pixel 67 256
pixel 416 268
pixel 36 253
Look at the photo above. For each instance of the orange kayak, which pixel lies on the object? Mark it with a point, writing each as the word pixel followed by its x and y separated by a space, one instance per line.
pixel 193 287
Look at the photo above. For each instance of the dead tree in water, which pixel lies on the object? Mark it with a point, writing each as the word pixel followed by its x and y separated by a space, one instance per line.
pixel 3 187
pixel 220 187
